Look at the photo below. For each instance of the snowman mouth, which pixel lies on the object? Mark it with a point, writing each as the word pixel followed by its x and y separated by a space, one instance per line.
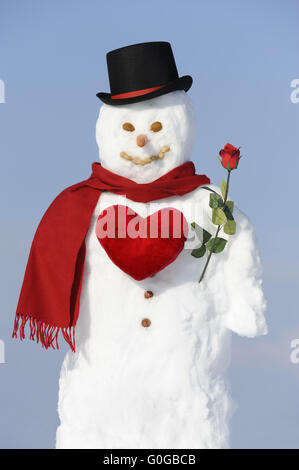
pixel 145 161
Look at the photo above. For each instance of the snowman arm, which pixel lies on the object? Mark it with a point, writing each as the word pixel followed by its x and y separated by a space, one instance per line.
pixel 242 270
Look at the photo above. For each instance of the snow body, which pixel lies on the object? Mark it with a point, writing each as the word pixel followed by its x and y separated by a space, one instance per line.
pixel 127 386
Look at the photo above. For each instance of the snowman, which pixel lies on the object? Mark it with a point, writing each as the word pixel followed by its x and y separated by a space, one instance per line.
pixel 152 344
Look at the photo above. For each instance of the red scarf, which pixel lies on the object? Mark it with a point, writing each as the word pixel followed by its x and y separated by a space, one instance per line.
pixel 50 295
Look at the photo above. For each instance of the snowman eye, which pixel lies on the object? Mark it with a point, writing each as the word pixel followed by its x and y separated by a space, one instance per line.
pixel 127 126
pixel 156 126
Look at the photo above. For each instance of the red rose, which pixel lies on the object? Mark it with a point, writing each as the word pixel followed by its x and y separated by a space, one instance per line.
pixel 230 156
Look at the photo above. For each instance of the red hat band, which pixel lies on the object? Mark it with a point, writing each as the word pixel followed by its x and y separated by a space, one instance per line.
pixel 132 94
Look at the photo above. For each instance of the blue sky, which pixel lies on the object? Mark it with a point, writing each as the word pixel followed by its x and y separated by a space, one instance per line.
pixel 243 57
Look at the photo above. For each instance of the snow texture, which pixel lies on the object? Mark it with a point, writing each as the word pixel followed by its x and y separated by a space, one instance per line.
pixel 175 112
pixel 164 386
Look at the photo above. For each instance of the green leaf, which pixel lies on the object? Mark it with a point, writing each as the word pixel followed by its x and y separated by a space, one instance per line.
pixel 230 227
pixel 215 200
pixel 198 252
pixel 202 234
pixel 223 188
pixel 227 212
pixel 208 189
pixel 218 216
pixel 205 236
pixel 218 246
pixel 230 205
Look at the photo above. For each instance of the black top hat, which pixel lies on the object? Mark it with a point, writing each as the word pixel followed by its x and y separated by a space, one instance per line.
pixel 141 72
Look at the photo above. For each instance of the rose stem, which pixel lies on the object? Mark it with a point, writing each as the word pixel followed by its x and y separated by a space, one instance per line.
pixel 217 231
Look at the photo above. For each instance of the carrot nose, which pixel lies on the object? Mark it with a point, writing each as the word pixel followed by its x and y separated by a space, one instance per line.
pixel 141 140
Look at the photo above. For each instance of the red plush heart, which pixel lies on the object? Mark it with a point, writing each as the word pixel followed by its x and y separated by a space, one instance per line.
pixel 141 247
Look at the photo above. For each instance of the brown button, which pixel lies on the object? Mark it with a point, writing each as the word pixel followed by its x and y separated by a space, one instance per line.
pixel 148 294
pixel 146 322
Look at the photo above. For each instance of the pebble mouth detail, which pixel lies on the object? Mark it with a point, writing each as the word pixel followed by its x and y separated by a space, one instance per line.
pixel 146 161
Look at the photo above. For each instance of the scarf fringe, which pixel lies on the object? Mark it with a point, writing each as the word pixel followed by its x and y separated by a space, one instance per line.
pixel 43 332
